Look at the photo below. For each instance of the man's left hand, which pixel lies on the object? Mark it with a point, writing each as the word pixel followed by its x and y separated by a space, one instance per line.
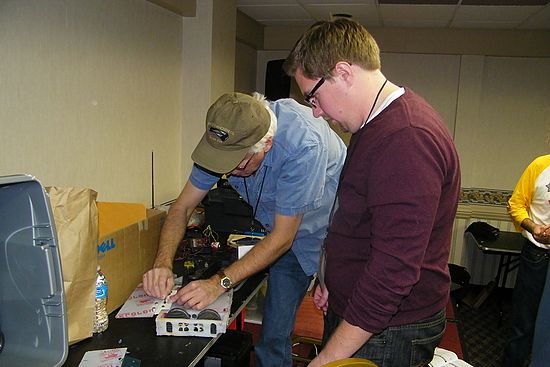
pixel 320 298
pixel 198 294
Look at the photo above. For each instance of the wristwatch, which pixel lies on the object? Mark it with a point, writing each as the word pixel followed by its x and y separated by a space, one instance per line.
pixel 225 281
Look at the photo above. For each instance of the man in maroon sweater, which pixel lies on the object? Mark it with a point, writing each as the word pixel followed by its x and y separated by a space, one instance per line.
pixel 387 280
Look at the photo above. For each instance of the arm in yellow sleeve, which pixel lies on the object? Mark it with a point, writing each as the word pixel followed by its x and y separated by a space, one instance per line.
pixel 518 204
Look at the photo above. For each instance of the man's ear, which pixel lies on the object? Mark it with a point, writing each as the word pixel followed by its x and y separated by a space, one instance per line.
pixel 343 70
pixel 268 145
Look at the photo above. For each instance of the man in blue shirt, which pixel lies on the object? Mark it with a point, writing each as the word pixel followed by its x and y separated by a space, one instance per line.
pixel 285 163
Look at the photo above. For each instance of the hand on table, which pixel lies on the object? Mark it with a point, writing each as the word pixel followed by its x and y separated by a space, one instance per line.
pixel 198 294
pixel 158 282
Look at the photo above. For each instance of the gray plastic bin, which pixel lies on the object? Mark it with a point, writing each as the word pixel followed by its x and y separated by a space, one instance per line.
pixel 33 322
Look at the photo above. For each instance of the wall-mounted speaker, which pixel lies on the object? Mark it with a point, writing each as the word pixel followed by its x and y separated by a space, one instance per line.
pixel 277 83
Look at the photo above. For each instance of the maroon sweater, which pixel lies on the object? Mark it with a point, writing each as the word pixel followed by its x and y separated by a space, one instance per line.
pixel 389 241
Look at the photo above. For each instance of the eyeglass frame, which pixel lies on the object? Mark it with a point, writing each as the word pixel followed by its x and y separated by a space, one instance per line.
pixel 246 164
pixel 311 94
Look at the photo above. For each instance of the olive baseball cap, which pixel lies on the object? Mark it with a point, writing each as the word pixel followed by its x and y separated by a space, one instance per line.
pixel 234 123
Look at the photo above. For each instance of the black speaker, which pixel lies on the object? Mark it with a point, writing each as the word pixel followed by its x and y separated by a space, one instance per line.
pixel 277 83
pixel 227 212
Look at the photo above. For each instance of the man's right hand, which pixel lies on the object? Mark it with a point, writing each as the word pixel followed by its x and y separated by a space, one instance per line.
pixel 158 282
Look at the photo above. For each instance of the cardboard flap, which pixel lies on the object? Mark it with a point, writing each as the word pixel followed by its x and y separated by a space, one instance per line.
pixel 114 216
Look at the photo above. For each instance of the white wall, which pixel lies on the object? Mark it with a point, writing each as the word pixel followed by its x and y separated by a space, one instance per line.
pixel 245 68
pixel 434 77
pixel 197 89
pixel 208 69
pixel 497 108
pixel 88 89
pixel 508 124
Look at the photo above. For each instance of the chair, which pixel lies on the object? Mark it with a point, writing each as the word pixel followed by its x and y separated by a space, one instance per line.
pixel 351 362
pixel 308 334
pixel 308 331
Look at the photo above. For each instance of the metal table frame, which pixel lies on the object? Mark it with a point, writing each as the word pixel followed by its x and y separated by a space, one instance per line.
pixel 508 246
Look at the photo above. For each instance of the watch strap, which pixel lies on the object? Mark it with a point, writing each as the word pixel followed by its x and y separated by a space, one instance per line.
pixel 225 279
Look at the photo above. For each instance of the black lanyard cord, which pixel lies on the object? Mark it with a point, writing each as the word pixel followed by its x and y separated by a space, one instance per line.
pixel 259 196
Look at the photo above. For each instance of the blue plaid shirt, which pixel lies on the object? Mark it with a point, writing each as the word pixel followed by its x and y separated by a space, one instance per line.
pixel 301 176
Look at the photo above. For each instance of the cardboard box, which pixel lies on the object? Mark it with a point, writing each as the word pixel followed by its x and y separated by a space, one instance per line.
pixel 124 254
pixel 114 216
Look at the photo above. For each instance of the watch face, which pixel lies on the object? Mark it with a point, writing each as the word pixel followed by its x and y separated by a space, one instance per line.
pixel 226 283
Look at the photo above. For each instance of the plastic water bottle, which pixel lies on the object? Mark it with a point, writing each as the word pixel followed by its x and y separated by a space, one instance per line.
pixel 101 320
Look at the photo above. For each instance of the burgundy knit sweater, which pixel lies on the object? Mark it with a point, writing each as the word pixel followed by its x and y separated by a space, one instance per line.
pixel 389 241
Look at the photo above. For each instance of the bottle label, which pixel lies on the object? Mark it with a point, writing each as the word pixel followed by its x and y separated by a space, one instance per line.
pixel 101 291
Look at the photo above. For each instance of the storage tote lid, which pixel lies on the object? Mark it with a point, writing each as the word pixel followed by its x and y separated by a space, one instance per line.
pixel 33 322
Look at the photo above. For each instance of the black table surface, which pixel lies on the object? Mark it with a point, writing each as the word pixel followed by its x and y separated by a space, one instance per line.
pixel 139 336
pixel 506 243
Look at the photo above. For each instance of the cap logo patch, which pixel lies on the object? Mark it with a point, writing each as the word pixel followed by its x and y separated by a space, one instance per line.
pixel 222 135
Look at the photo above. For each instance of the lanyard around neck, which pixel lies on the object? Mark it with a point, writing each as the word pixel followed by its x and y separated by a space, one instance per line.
pixel 257 200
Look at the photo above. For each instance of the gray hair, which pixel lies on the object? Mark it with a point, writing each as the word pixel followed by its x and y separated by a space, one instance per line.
pixel 259 146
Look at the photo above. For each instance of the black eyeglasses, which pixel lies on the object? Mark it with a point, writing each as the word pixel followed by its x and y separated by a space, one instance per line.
pixel 247 162
pixel 308 98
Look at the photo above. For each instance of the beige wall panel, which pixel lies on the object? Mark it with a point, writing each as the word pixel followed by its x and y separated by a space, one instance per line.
pixel 208 69
pixel 434 77
pixel 512 122
pixel 89 90
pixel 197 88
pixel 467 116
pixel 245 68
pixel 223 47
pixel 534 43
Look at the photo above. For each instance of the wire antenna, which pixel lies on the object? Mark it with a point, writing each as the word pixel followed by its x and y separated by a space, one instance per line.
pixel 152 179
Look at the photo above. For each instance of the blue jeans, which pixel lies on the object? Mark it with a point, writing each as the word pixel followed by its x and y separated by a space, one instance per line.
pixel 407 345
pixel 541 340
pixel 533 265
pixel 287 284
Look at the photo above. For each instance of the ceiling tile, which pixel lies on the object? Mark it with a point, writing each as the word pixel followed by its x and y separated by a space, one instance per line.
pixel 405 13
pixel 357 11
pixel 509 17
pixel 416 15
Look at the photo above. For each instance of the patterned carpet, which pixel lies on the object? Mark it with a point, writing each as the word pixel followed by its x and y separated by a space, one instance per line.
pixel 484 330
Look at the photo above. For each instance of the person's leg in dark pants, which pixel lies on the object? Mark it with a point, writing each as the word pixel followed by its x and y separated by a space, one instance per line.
pixel 541 341
pixel 398 346
pixel 525 302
